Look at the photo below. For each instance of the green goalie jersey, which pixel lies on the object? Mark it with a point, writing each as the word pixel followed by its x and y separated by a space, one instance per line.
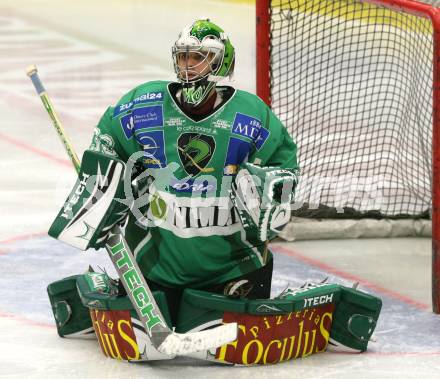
pixel 187 233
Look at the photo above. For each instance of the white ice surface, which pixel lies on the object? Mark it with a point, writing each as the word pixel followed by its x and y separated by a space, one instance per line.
pixel 89 53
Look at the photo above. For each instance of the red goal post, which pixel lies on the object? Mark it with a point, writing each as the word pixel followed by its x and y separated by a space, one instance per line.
pixel 352 85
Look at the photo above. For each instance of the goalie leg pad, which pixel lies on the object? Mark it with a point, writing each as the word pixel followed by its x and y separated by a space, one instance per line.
pixel 354 320
pixel 120 333
pixel 71 316
pixel 298 323
pixel 89 306
pixel 270 330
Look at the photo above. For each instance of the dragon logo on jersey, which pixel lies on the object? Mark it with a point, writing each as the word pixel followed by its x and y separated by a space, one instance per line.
pixel 195 152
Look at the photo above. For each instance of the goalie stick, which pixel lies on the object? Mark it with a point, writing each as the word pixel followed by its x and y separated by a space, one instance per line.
pixel 162 337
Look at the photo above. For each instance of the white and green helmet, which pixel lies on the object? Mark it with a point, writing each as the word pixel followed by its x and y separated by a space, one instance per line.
pixel 202 56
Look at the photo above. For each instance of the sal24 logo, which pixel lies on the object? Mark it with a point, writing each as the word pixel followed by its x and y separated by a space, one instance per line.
pixel 145 98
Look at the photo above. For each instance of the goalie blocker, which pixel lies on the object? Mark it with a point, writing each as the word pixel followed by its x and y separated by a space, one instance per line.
pixel 93 206
pixel 298 323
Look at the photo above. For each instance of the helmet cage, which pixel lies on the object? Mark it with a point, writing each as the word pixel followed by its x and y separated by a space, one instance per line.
pixel 202 56
pixel 193 63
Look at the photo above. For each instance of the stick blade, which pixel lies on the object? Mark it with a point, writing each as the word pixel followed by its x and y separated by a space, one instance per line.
pixel 182 344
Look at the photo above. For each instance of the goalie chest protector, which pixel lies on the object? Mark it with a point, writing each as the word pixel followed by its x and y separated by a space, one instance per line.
pixel 194 163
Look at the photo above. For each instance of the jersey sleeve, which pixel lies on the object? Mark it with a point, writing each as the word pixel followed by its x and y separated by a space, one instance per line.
pixel 115 133
pixel 107 137
pixel 274 146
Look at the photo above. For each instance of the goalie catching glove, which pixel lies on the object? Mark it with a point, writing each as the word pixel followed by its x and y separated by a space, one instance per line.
pixel 263 196
pixel 93 207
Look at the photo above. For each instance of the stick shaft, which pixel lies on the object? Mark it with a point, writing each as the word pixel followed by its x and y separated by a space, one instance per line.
pixel 33 74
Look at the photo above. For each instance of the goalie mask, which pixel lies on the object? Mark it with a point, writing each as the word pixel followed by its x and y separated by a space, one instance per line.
pixel 202 56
